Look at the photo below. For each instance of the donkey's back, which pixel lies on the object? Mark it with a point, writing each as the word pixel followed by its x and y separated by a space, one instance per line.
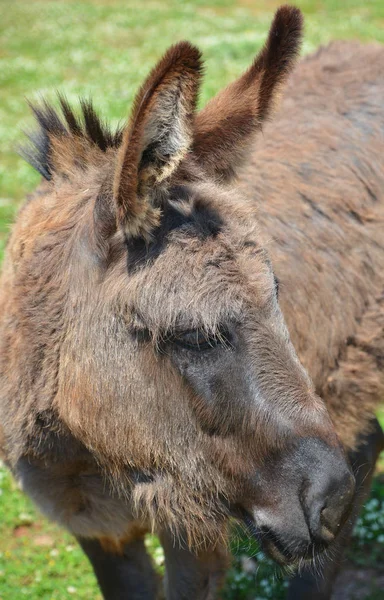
pixel 318 172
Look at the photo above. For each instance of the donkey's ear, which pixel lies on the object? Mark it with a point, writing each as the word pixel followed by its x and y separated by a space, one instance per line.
pixel 157 138
pixel 225 128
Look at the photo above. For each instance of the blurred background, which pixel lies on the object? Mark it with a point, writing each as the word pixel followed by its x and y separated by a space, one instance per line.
pixel 104 49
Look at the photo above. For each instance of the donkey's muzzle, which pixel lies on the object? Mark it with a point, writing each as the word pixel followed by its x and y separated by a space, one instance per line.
pixel 307 497
pixel 327 502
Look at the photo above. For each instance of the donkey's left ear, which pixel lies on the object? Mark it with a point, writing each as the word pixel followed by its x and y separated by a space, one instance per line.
pixel 157 138
pixel 226 127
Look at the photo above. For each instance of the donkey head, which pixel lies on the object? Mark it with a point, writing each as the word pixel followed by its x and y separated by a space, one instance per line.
pixel 179 372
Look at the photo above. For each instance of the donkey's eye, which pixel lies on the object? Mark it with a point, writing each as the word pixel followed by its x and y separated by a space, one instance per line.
pixel 197 339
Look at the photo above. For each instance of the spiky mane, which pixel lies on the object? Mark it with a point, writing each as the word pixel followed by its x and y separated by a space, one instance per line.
pixel 62 123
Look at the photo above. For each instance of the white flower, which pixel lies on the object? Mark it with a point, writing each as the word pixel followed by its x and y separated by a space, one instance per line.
pixel 71 589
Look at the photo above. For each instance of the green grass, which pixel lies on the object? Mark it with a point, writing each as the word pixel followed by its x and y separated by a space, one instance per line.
pixel 39 560
pixel 104 49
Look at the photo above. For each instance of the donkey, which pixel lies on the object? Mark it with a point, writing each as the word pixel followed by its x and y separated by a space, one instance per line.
pixel 148 379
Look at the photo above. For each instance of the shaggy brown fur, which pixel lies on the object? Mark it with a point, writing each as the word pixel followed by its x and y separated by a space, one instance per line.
pixel 147 375
pixel 326 241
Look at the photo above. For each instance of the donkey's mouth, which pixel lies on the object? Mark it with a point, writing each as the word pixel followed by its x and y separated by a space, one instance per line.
pixel 292 554
pixel 285 554
pixel 268 541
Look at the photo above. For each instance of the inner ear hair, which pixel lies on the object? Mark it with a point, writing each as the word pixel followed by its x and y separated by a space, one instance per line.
pixel 157 138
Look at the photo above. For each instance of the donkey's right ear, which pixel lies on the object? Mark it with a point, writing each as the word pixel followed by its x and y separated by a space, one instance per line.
pixel 157 138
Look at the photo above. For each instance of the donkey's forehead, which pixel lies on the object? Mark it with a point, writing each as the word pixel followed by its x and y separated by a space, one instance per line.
pixel 227 204
pixel 198 281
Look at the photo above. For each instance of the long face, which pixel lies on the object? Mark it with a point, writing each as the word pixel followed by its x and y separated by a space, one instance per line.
pixel 180 372
pixel 206 304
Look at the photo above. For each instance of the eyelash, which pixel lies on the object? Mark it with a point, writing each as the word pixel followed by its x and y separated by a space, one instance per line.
pixel 208 341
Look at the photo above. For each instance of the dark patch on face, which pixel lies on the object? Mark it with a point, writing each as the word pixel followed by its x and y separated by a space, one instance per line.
pixel 202 222
pixel 219 378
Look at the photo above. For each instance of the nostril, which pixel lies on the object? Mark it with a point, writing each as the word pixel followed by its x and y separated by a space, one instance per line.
pixel 337 508
pixel 328 512
pixel 330 521
pixel 323 526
